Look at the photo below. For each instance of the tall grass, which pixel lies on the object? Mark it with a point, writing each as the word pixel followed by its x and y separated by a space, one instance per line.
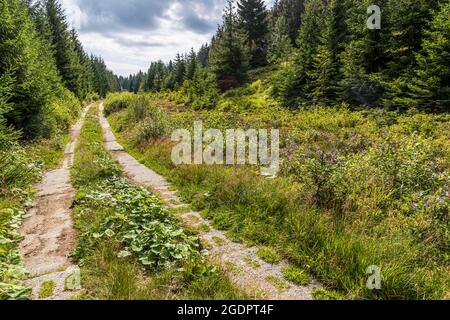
pixel 357 188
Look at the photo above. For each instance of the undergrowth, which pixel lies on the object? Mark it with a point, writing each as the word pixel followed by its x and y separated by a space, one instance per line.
pixel 130 246
pixel 357 188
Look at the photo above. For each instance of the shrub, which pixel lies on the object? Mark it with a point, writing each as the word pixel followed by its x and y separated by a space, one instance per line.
pixel 115 102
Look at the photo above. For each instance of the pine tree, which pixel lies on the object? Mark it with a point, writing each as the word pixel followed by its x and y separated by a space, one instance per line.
pixel 280 43
pixel 253 21
pixel 84 73
pixel 66 57
pixel 292 11
pixel 228 57
pixel 203 55
pixel 169 79
pixel 34 83
pixel 365 57
pixel 325 74
pixel 105 81
pixel 427 86
pixel 294 82
pixel 406 21
pixel 180 70
pixel 191 65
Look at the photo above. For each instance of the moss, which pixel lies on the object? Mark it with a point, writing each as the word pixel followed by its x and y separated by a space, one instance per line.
pixel 47 289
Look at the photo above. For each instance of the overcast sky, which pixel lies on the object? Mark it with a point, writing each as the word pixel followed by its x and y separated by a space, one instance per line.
pixel 129 34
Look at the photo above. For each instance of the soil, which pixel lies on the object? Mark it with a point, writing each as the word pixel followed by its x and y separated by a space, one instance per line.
pixel 49 236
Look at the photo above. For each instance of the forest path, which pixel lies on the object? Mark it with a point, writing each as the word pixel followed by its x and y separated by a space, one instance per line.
pixel 244 268
pixel 49 236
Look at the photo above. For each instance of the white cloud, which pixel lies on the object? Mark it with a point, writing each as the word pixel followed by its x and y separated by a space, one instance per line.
pixel 131 34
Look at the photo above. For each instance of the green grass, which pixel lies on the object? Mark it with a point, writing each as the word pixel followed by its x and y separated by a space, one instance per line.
pixel 323 294
pixel 109 212
pixel 47 289
pixel 193 218
pixel 356 188
pixel 219 241
pixel 49 152
pixel 204 227
pixel 296 275
pixel 278 283
pixel 252 263
pixel 268 255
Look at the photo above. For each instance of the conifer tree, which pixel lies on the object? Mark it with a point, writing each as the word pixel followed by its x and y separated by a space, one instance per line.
pixel 280 46
pixel 84 72
pixel 203 55
pixel 325 74
pixel 364 58
pixel 406 21
pixel 191 65
pixel 66 57
pixel 292 11
pixel 228 57
pixel 25 58
pixel 180 69
pixel 427 86
pixel 253 21
pixel 294 82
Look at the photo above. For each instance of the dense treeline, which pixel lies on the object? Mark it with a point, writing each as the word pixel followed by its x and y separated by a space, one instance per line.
pixel 45 73
pixel 325 53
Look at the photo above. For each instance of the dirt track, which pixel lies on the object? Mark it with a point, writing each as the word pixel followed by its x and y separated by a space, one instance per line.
pixel 48 231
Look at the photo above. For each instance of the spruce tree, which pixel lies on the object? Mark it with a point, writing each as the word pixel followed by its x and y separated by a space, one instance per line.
pixel 280 46
pixel 34 83
pixel 228 57
pixel 84 73
pixel 406 21
pixel 294 83
pixel 253 21
pixel 292 11
pixel 325 74
pixel 365 57
pixel 66 57
pixel 180 69
pixel 191 65
pixel 427 86
pixel 203 55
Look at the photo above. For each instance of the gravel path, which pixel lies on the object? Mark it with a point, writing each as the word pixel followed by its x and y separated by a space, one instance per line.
pixel 48 231
pixel 243 266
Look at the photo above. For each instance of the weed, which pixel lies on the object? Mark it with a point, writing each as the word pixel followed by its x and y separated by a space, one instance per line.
pixel 233 268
